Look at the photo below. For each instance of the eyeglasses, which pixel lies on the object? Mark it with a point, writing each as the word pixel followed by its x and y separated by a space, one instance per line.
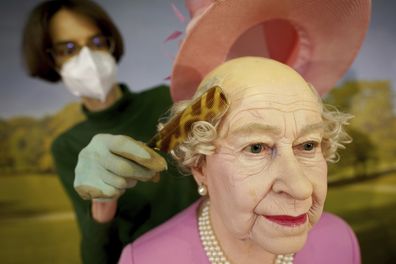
pixel 68 49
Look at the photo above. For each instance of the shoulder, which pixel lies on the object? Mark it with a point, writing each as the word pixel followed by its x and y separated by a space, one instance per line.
pixel 155 101
pixel 175 241
pixel 60 143
pixel 161 90
pixel 331 240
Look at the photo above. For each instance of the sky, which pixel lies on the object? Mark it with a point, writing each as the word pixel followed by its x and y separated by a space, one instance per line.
pixel 144 25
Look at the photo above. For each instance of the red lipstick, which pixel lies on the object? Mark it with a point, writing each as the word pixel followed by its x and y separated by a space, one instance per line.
pixel 287 220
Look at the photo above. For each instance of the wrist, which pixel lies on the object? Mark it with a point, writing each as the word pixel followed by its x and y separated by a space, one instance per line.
pixel 103 211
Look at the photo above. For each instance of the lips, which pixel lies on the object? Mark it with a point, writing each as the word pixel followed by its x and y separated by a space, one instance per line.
pixel 287 220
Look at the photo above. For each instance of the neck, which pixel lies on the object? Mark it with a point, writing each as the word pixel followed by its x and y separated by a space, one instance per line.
pixel 95 105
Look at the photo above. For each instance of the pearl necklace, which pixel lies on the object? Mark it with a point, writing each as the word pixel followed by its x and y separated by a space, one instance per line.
pixel 212 247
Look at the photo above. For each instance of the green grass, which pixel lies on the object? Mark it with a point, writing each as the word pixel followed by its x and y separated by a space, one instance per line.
pixel 36 221
pixel 35 241
pixel 32 193
pixel 370 208
pixel 36 224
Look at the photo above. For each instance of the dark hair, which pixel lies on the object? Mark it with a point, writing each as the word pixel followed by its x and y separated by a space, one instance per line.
pixel 36 39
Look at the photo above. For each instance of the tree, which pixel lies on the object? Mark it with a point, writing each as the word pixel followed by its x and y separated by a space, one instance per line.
pixel 373 128
pixel 25 141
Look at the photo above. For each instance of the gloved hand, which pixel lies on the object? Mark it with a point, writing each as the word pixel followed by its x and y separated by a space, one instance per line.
pixel 111 163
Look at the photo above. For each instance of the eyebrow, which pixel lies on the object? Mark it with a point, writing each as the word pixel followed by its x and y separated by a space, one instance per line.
pixel 63 42
pixel 311 128
pixel 253 127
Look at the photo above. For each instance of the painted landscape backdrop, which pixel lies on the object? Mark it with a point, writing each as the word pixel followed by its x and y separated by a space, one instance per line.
pixel 37 223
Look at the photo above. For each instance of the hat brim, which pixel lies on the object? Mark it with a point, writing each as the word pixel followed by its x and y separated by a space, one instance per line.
pixel 318 38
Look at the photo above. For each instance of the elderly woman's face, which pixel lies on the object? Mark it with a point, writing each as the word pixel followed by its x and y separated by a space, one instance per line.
pixel 267 180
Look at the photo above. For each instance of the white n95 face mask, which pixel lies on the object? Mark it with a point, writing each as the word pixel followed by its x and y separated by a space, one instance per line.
pixel 91 74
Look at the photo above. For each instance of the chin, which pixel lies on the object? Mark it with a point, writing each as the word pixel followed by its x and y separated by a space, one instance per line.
pixel 283 245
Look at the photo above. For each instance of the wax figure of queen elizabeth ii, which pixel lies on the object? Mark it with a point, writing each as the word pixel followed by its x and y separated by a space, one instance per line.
pixel 262 168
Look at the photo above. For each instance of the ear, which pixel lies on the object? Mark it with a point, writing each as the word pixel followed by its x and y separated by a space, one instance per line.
pixel 199 174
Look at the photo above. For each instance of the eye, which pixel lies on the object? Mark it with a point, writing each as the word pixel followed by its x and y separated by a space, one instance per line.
pixel 257 148
pixel 308 146
pixel 70 47
pixel 65 49
pixel 100 43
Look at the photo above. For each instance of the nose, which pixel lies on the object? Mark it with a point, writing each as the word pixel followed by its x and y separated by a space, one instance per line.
pixel 290 177
pixel 85 51
pixel 85 55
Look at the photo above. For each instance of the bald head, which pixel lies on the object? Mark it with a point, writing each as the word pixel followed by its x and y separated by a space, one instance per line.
pixel 248 76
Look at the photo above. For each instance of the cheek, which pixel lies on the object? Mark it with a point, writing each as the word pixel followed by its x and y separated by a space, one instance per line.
pixel 318 178
pixel 250 167
pixel 219 176
pixel 222 181
pixel 58 63
pixel 231 197
pixel 227 180
pixel 315 170
pixel 319 181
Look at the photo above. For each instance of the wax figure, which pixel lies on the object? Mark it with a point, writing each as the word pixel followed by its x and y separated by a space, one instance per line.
pixel 77 43
pixel 319 39
pixel 261 167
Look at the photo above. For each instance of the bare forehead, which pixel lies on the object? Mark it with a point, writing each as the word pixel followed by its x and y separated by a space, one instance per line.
pixel 277 97
pixel 68 25
pixel 263 83
pixel 269 79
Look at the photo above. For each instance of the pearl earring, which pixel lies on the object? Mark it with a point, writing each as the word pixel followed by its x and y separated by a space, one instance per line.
pixel 202 190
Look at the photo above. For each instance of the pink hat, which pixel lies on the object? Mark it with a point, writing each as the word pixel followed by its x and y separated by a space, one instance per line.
pixel 318 38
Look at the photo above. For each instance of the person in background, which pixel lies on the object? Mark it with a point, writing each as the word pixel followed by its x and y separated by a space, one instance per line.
pixel 76 42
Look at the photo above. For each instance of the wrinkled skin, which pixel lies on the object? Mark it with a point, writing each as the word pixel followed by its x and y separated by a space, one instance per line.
pixel 268 161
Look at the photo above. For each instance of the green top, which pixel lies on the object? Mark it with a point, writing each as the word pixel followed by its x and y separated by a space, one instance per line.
pixel 140 208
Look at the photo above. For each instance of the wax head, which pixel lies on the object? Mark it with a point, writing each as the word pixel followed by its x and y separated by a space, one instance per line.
pixel 268 159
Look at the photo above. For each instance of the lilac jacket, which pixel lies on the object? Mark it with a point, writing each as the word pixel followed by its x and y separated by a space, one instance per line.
pixel 177 241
